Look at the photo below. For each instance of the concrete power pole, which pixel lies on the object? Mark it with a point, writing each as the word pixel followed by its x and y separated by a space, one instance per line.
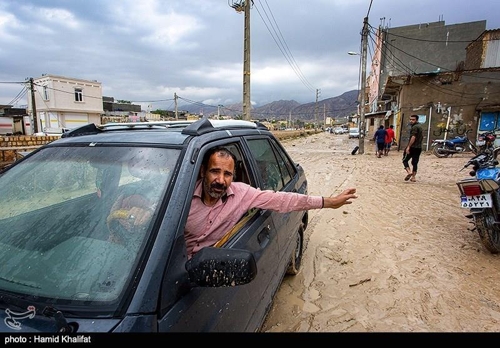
pixel 246 64
pixel 362 127
pixel 244 6
pixel 33 106
pixel 175 103
pixel 316 110
pixel 324 114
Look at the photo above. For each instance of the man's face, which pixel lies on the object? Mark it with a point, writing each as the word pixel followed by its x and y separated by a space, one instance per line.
pixel 219 175
pixel 413 120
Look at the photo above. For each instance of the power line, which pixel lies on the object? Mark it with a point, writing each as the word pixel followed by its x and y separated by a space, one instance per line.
pixel 282 46
pixel 19 96
pixel 438 41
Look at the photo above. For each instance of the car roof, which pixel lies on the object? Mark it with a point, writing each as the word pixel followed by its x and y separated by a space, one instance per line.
pixel 155 132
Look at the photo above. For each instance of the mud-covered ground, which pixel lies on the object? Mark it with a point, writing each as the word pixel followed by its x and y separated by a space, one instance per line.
pixel 401 258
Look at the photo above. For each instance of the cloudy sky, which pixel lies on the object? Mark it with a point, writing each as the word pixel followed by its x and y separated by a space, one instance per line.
pixel 145 51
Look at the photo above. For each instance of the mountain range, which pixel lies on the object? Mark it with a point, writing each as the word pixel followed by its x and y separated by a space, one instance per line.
pixel 341 106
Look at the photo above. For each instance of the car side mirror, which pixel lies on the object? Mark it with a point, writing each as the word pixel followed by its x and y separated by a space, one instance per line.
pixel 218 267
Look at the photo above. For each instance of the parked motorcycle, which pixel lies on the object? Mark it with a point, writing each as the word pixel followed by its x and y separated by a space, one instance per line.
pixel 481 195
pixel 485 141
pixel 444 148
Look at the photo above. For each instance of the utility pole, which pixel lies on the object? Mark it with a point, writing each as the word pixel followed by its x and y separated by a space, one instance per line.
pixel 246 64
pixel 218 111
pixel 33 106
pixel 175 102
pixel 362 127
pixel 316 109
pixel 324 114
pixel 244 6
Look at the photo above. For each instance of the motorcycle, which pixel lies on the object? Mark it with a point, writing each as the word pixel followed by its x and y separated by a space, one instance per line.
pixel 481 195
pixel 443 148
pixel 485 141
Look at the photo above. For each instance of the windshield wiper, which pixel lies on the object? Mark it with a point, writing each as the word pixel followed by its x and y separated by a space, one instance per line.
pixel 61 322
pixel 20 283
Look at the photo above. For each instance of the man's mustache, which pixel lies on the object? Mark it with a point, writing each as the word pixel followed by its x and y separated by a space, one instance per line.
pixel 218 186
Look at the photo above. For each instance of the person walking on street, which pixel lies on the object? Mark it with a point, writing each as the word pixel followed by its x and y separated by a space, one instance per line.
pixel 413 149
pixel 389 139
pixel 379 138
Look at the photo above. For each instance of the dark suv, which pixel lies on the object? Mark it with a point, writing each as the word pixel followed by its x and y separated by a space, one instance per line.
pixel 62 272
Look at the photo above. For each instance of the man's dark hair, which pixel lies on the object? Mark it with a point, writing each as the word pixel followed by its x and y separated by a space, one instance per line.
pixel 416 117
pixel 217 149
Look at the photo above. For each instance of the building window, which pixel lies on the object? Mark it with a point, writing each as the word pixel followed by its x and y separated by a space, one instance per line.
pixel 78 94
pixel 45 93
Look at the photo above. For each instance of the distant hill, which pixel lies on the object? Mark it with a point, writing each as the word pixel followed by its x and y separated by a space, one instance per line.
pixel 335 107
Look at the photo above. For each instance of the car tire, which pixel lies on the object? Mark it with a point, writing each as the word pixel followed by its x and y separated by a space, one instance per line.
pixel 296 259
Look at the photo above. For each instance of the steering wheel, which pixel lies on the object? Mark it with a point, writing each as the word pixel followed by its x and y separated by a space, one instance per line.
pixel 121 225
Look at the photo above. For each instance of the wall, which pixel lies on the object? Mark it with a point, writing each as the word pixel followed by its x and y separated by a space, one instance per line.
pixel 12 146
pixel 426 47
pixel 466 94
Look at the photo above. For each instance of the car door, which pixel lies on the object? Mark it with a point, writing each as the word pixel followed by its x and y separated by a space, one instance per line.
pixel 276 172
pixel 239 308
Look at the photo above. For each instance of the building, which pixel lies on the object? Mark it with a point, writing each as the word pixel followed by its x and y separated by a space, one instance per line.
pixel 484 51
pixel 63 102
pixel 114 107
pixel 448 103
pixel 447 74
pixel 14 121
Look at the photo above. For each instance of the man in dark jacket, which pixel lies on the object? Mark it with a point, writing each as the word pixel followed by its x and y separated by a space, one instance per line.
pixel 414 149
pixel 379 138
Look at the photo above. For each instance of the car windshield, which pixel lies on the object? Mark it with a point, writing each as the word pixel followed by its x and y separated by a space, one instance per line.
pixel 74 221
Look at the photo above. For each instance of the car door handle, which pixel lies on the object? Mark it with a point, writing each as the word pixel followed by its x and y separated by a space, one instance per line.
pixel 264 236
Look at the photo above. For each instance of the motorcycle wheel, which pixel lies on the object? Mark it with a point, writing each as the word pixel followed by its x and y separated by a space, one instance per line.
pixel 489 232
pixel 438 151
pixel 473 148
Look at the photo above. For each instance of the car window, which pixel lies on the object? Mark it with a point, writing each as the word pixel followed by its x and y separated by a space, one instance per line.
pixel 285 164
pixel 241 172
pixel 273 167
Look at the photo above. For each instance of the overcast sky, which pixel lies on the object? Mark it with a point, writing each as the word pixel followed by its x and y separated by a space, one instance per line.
pixel 145 51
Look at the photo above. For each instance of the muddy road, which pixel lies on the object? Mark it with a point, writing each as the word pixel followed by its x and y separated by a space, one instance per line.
pixel 401 258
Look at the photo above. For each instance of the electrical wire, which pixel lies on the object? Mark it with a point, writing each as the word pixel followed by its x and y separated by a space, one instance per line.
pixel 282 45
pixel 19 96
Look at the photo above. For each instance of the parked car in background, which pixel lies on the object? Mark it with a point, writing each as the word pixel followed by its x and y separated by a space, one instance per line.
pixel 71 263
pixel 353 133
pixel 338 130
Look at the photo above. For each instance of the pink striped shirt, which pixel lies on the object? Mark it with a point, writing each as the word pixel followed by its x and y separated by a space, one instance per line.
pixel 206 225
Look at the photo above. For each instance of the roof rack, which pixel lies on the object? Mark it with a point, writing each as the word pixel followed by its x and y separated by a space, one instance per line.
pixel 205 126
pixel 95 129
pixel 197 127
pixel 148 124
